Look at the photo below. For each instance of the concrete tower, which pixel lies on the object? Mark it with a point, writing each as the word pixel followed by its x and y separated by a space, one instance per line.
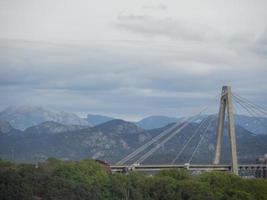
pixel 226 105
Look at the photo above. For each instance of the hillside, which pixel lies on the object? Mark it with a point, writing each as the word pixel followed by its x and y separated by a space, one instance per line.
pixel 114 139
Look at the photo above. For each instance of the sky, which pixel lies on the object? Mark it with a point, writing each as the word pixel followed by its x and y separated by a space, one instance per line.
pixel 131 59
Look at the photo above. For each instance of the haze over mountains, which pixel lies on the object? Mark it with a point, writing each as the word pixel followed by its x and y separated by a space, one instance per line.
pixel 23 117
pixel 114 139
pixel 47 133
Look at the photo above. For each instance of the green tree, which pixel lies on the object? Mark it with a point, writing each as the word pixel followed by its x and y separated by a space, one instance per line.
pixel 161 188
pixel 12 186
pixel 177 174
pixel 137 183
pixel 235 194
pixel 219 182
pixel 86 171
pixel 194 190
pixel 119 187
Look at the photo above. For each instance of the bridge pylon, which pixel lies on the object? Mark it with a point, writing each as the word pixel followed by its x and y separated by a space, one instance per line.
pixel 226 105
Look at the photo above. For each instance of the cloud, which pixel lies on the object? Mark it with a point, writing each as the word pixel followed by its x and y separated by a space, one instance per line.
pixel 180 29
pixel 135 78
pixel 160 7
pixel 155 59
pixel 167 27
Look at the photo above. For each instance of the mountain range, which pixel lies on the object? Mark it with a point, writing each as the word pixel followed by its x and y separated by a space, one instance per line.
pixel 94 120
pixel 115 139
pixel 30 134
pixel 22 117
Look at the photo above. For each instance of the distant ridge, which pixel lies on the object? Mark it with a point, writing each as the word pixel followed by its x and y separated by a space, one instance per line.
pixel 22 117
pixel 113 140
pixel 94 120
pixel 152 122
pixel 51 127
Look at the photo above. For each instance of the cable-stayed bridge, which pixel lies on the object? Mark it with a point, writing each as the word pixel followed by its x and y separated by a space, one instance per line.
pixel 229 102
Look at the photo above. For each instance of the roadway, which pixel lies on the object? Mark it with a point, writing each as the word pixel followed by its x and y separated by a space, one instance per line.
pixel 155 167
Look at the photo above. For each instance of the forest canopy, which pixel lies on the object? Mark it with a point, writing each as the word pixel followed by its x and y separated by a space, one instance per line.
pixel 88 179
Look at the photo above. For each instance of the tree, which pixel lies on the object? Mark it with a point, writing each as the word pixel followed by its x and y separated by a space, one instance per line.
pixel 177 174
pixel 12 186
pixel 194 190
pixel 161 188
pixel 118 187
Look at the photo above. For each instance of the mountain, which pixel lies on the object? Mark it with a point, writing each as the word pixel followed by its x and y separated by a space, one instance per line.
pixel 94 120
pixel 155 122
pixel 22 117
pixel 53 127
pixel 119 127
pixel 107 141
pixel 257 125
pixel 7 129
pixel 115 139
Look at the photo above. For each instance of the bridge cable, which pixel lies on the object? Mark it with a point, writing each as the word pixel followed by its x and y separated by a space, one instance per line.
pixel 253 105
pixel 251 115
pixel 250 102
pixel 250 110
pixel 155 139
pixel 203 123
pixel 146 145
pixel 150 152
pixel 238 108
pixel 201 139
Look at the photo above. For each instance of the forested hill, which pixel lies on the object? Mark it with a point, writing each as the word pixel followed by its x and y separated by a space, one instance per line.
pixel 88 180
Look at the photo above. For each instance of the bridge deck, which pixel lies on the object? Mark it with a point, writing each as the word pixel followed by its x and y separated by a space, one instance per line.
pixel 118 168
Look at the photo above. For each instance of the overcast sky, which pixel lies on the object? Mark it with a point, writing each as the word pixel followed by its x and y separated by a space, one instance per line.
pixel 131 58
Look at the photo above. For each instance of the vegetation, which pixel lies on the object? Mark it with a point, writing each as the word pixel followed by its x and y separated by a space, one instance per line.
pixel 72 180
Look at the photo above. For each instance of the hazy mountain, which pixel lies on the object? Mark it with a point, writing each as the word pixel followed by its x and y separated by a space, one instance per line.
pixel 119 127
pixel 22 117
pixel 7 129
pixel 53 127
pixel 108 141
pixel 117 138
pixel 249 146
pixel 155 122
pixel 257 125
pixel 94 120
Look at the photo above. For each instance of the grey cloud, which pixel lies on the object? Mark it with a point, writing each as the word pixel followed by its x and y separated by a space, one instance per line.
pixel 179 29
pixel 127 78
pixel 146 60
pixel 167 27
pixel 160 6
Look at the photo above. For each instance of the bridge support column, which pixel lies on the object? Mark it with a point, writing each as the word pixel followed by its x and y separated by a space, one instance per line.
pixel 226 104
pixel 258 173
pixel 264 173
